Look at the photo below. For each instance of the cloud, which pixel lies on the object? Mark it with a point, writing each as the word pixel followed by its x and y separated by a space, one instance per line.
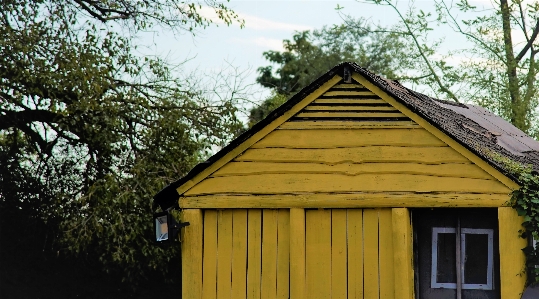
pixel 253 22
pixel 264 24
pixel 270 43
pixel 264 42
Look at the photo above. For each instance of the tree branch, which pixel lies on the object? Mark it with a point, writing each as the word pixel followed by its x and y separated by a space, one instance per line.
pixel 10 119
pixel 435 76
pixel 103 12
pixel 467 34
pixel 529 44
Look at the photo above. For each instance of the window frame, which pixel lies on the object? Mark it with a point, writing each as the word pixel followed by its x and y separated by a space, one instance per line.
pixel 462 243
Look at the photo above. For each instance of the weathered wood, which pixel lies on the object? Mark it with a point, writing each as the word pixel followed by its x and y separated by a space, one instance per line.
pixel 209 277
pixel 332 124
pixel 436 132
pixel 387 275
pixel 355 252
pixel 350 114
pixel 191 248
pixel 239 254
pixel 349 200
pixel 338 254
pixel 269 254
pixel 318 253
pixel 440 170
pixel 297 253
pixel 283 254
pixel 293 183
pixel 348 93
pixel 383 154
pixel 370 254
pixel 349 101
pixel 344 85
pixel 512 258
pixel 402 252
pixel 224 254
pixel 254 253
pixel 348 138
pixel 258 135
pixel 349 108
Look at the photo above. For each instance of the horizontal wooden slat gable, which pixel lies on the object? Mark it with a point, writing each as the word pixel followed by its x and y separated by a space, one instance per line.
pixel 336 138
pixel 349 102
pixel 439 170
pixel 349 140
pixel 337 183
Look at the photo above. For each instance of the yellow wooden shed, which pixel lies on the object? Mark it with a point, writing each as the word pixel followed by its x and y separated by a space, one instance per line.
pixel 357 187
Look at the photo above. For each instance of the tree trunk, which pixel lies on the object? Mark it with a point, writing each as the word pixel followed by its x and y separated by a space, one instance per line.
pixel 517 115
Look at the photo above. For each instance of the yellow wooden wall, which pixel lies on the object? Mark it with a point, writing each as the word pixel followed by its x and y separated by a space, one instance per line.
pixel 349 254
pixel 242 253
pixel 325 253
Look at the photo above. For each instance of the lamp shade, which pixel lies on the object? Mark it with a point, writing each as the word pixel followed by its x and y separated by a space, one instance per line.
pixel 163 224
pixel 166 228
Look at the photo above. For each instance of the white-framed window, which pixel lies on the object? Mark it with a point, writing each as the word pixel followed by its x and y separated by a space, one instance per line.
pixel 476 263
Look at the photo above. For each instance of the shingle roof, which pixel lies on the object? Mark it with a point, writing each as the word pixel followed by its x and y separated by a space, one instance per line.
pixel 477 129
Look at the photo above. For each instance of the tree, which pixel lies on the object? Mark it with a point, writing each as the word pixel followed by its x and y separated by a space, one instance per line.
pixel 90 131
pixel 310 54
pixel 260 112
pixel 493 71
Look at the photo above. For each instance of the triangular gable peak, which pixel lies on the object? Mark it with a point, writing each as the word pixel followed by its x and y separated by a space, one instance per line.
pixel 348 105
pixel 347 144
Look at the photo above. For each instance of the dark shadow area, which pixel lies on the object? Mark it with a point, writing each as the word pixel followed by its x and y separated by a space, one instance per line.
pixel 32 266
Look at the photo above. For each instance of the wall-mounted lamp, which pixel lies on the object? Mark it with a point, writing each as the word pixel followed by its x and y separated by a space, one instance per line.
pixel 166 228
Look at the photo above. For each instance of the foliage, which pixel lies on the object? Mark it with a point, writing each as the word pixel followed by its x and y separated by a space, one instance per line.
pixel 271 103
pixel 525 201
pixel 491 70
pixel 310 54
pixel 90 131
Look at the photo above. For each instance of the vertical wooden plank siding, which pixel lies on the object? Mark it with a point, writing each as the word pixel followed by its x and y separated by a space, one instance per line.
pixel 387 281
pixel 355 253
pixel 269 254
pixel 283 254
pixel 338 254
pixel 402 252
pixel 254 253
pixel 239 254
pixel 192 254
pixel 370 267
pixel 318 253
pixel 512 259
pixel 224 253
pixel 297 253
pixel 209 278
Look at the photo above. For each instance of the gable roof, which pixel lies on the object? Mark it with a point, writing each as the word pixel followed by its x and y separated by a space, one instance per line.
pixel 475 128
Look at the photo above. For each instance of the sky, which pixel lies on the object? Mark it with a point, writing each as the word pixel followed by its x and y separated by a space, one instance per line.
pixel 267 23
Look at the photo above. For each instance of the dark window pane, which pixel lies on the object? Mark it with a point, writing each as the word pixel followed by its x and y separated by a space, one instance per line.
pixel 476 259
pixel 446 270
